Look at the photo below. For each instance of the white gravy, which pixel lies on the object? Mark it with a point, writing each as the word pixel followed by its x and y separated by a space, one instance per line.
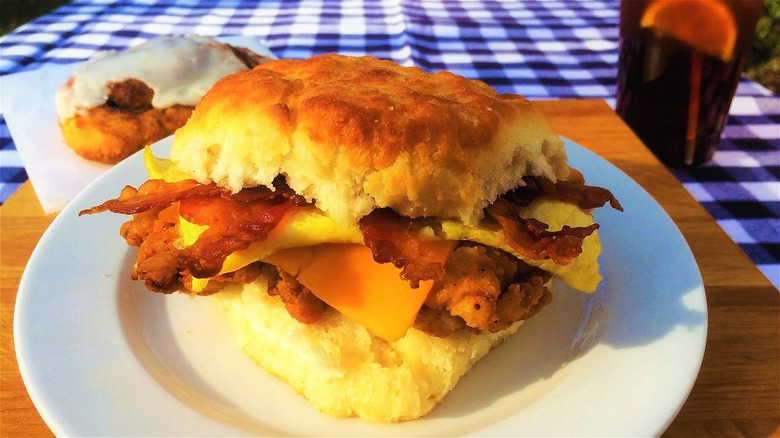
pixel 179 69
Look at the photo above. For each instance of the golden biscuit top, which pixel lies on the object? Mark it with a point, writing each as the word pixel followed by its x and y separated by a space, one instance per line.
pixel 370 133
pixel 357 105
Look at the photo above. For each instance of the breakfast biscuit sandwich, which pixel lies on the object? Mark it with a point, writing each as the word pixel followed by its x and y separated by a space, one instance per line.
pixel 371 230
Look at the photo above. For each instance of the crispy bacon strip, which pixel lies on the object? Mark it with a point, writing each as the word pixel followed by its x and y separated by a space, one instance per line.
pixel 573 191
pixel 530 237
pixel 234 224
pixel 393 238
pixel 153 193
pixel 235 220
pixel 160 193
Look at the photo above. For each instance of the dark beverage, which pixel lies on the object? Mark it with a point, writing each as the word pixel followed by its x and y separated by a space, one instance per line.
pixel 686 100
pixel 675 88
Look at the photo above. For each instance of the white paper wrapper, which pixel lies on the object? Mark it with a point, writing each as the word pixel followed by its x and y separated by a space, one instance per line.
pixel 56 172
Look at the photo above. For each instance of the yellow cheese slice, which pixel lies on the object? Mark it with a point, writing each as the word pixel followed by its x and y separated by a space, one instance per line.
pixel 347 278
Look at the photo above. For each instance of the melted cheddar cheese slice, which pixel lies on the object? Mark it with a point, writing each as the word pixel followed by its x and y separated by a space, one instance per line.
pixel 346 277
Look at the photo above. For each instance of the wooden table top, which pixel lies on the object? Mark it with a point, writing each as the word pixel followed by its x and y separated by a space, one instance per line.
pixel 737 392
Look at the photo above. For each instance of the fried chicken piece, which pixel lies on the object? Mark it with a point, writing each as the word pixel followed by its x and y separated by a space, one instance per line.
pixel 300 303
pixel 109 134
pixel 439 322
pixel 158 265
pixel 156 261
pixel 521 301
pixel 489 289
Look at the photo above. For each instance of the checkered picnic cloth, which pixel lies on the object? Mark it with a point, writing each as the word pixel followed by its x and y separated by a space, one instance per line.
pixel 540 49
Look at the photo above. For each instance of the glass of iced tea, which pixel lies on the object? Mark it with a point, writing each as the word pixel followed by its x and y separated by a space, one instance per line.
pixel 679 65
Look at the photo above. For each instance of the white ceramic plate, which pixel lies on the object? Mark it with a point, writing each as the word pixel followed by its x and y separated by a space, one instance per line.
pixel 102 356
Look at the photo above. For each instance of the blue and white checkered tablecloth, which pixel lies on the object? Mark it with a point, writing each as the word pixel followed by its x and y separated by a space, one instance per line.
pixel 540 49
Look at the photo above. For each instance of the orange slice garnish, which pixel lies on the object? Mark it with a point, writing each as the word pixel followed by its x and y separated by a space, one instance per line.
pixel 706 25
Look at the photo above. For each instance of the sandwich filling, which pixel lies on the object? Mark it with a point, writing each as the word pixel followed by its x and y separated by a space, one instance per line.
pixel 392 195
pixel 387 272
